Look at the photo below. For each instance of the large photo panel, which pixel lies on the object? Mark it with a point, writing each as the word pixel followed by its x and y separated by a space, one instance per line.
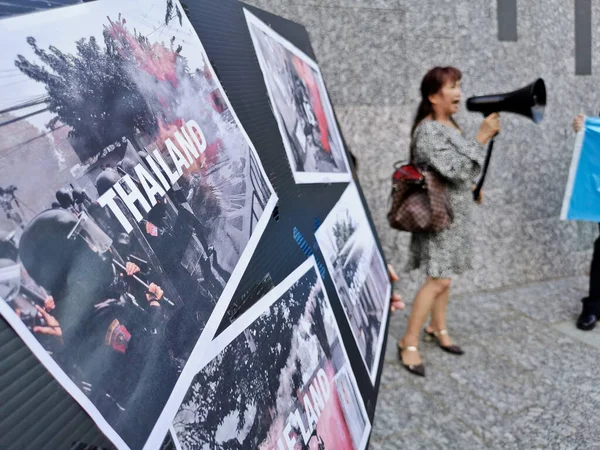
pixel 133 200
pixel 280 379
pixel 301 106
pixel 358 273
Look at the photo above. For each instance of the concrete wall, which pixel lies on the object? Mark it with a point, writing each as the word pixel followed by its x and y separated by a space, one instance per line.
pixel 373 54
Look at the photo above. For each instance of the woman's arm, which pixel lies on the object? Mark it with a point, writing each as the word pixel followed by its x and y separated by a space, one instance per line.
pixel 454 159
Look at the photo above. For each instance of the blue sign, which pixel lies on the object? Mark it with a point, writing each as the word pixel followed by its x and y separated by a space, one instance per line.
pixel 582 196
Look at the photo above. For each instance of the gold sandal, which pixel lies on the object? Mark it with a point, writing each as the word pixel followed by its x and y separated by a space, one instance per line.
pixel 434 336
pixel 417 369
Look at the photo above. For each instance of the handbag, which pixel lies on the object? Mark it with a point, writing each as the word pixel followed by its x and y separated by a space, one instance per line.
pixel 420 200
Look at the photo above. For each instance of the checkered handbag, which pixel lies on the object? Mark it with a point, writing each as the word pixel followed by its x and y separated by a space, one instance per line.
pixel 419 200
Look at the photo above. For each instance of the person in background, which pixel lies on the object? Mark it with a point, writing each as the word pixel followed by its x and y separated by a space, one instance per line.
pixel 437 141
pixel 396 299
pixel 591 304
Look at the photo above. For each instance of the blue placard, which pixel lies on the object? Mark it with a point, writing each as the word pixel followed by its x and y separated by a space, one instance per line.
pixel 582 196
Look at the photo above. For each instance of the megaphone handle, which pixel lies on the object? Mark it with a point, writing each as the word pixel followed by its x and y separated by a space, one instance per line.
pixel 486 164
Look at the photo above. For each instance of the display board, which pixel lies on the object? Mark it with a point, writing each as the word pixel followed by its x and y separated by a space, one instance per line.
pixel 159 183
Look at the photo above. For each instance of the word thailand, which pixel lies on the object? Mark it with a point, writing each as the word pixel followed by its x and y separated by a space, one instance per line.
pixel 314 403
pixel 192 144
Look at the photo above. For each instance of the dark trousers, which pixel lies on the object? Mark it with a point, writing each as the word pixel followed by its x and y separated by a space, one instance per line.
pixel 594 295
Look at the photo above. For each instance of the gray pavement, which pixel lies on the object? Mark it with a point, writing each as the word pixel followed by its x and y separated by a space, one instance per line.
pixel 529 379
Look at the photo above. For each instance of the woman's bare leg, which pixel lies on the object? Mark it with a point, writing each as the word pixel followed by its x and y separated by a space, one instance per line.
pixel 438 316
pixel 420 309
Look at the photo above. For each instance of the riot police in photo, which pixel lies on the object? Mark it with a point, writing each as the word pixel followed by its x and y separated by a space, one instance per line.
pixel 110 324
pixel 173 242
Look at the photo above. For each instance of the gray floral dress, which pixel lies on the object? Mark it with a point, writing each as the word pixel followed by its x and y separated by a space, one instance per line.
pixel 458 160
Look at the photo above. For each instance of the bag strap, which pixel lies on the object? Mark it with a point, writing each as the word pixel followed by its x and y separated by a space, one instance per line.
pixel 399 164
pixel 402 162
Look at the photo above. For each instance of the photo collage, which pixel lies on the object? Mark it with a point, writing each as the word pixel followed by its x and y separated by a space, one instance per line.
pixel 134 200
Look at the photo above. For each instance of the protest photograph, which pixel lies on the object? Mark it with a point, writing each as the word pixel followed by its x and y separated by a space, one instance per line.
pixel 280 379
pixel 132 200
pixel 301 106
pixel 358 273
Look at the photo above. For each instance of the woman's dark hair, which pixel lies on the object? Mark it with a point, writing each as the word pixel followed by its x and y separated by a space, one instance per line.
pixel 432 83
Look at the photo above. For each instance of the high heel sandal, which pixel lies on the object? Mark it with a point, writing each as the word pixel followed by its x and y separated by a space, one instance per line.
pixel 417 369
pixel 434 336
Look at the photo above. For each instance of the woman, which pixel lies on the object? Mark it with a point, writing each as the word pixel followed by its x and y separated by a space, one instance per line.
pixel 438 142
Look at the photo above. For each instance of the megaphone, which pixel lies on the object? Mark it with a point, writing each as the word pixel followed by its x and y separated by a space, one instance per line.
pixel 529 101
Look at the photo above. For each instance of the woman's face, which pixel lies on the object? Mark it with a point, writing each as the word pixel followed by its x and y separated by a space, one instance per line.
pixel 448 98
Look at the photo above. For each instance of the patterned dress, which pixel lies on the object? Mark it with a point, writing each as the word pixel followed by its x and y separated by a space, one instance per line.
pixel 458 160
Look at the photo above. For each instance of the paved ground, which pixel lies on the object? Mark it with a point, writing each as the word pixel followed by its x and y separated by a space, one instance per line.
pixel 529 378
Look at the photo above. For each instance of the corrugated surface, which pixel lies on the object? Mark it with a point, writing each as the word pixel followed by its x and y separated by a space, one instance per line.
pixel 35 411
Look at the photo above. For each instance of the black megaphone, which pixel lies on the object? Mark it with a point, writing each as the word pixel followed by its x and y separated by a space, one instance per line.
pixel 529 101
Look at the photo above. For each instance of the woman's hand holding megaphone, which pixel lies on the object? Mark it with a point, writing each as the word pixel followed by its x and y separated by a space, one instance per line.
pixel 479 199
pixel 489 128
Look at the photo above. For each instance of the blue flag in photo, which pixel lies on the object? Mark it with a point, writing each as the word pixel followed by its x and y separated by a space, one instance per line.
pixel 582 196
